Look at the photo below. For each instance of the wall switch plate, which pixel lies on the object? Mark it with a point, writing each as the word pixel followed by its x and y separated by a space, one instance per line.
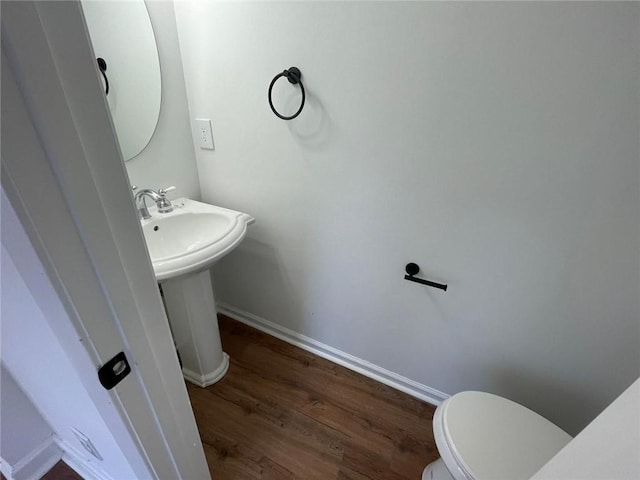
pixel 204 133
pixel 86 443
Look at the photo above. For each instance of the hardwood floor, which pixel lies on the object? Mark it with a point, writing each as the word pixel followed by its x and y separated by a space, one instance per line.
pixel 61 471
pixel 283 413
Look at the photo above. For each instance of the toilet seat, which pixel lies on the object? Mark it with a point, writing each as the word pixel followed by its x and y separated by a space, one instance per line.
pixel 481 436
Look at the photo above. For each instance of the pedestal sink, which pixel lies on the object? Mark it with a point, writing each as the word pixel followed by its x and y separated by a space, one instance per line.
pixel 183 244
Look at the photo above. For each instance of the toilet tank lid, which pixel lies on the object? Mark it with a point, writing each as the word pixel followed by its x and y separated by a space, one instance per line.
pixel 492 438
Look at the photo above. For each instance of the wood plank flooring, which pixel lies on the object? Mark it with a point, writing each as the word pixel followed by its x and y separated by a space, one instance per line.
pixel 61 471
pixel 283 413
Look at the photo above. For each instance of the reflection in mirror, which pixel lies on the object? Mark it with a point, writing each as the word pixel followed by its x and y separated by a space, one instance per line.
pixel 127 61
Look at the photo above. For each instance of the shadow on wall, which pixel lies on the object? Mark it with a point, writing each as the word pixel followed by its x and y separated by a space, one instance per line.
pixel 267 290
pixel 548 396
pixel 312 128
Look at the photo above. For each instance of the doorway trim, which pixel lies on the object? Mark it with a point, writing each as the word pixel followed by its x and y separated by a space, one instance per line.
pixel 64 175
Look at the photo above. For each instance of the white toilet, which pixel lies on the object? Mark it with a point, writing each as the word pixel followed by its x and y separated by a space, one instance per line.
pixel 481 436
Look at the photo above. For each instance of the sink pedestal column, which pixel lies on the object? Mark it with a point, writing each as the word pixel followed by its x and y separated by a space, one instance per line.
pixel 194 323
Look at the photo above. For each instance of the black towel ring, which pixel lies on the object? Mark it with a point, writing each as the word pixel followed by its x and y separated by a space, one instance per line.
pixel 102 65
pixel 294 76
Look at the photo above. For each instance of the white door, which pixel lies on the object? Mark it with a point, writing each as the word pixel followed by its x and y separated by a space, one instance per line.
pixel 63 173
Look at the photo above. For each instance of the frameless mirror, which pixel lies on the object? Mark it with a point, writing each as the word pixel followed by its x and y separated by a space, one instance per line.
pixel 127 60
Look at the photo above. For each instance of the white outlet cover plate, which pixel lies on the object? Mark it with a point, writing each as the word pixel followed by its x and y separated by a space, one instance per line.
pixel 204 134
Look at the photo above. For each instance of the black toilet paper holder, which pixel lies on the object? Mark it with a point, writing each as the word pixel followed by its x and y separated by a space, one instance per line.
pixel 414 268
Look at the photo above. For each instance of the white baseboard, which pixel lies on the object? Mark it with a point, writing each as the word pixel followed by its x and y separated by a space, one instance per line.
pixel 36 463
pixel 368 369
pixel 84 466
pixel 5 468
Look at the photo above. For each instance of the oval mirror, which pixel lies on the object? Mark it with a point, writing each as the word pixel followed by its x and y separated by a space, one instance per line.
pixel 127 60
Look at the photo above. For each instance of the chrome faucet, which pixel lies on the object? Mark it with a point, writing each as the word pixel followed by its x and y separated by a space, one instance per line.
pixel 162 202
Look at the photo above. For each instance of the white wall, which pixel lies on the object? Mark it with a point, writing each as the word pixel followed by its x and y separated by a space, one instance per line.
pixel 23 429
pixel 495 144
pixel 609 447
pixel 41 365
pixel 169 158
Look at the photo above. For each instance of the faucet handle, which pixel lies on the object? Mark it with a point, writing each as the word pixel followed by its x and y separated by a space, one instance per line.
pixel 164 191
pixel 164 204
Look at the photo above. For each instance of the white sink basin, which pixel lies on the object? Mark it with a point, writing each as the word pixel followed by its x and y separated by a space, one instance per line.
pixel 192 237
